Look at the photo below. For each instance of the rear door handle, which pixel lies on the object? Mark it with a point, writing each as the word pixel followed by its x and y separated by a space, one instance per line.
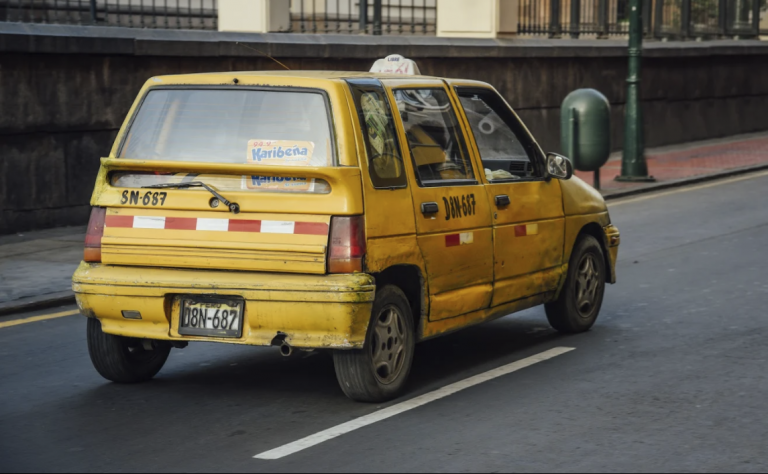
pixel 429 208
pixel 502 200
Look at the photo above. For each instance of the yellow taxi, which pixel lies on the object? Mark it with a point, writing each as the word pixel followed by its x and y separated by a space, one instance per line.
pixel 354 212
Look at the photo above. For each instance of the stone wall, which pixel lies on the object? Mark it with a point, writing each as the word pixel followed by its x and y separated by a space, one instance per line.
pixel 64 91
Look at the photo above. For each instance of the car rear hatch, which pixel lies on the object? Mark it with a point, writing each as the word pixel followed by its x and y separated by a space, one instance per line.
pixel 229 179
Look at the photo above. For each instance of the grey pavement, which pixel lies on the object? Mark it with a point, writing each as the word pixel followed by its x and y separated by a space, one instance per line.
pixel 672 378
pixel 39 265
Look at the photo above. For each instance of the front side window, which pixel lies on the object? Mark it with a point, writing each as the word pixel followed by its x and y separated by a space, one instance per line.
pixel 232 126
pixel 384 161
pixel 435 139
pixel 506 149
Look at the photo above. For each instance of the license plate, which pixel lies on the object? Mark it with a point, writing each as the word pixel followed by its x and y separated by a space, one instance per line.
pixel 211 316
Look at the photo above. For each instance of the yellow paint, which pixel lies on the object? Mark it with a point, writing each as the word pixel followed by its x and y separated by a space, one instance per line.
pixel 467 269
pixel 472 269
pixel 17 322
pixel 688 189
pixel 579 198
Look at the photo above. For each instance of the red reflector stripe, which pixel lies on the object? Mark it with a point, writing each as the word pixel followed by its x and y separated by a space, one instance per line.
pixel 452 240
pixel 309 228
pixel 521 231
pixel 243 225
pixel 180 223
pixel 232 225
pixel 119 221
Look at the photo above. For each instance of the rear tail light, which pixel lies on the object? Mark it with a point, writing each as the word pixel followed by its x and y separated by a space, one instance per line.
pixel 347 245
pixel 94 234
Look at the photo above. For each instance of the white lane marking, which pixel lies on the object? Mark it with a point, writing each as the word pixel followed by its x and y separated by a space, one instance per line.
pixel 422 400
pixel 218 225
pixel 148 222
pixel 687 189
pixel 277 227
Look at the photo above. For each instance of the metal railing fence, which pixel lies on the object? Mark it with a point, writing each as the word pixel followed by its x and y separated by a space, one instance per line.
pixel 574 18
pixel 552 18
pixel 662 18
pixel 173 14
pixel 377 17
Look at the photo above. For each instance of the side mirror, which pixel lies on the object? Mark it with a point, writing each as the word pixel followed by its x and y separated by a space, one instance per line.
pixel 559 166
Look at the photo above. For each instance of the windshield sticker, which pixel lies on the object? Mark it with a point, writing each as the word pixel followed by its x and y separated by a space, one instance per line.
pixel 280 152
pixel 278 183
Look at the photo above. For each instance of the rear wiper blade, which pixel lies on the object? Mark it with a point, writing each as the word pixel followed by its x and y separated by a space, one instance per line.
pixel 233 206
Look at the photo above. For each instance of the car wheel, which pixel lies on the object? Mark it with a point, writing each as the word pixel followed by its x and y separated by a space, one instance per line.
pixel 579 303
pixel 378 372
pixel 123 359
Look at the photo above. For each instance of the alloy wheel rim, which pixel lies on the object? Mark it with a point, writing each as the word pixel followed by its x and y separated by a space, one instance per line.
pixel 587 285
pixel 388 348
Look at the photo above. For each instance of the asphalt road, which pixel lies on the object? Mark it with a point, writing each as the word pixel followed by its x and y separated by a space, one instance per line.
pixel 672 378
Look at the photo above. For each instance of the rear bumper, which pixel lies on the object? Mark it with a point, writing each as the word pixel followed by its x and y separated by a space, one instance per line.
pixel 613 239
pixel 322 311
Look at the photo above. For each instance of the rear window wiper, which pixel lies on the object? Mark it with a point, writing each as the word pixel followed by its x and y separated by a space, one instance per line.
pixel 233 206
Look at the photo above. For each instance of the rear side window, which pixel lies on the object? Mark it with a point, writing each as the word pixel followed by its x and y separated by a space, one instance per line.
pixel 435 139
pixel 232 126
pixel 384 160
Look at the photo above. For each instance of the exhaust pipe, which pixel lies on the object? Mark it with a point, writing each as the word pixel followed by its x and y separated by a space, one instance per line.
pixel 286 350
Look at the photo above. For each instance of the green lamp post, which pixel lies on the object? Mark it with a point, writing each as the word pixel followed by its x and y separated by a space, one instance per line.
pixel 633 165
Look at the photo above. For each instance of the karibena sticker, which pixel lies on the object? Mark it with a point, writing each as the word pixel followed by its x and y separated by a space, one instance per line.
pixel 280 153
pixel 278 182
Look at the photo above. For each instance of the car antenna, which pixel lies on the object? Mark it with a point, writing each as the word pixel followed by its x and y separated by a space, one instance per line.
pixel 263 54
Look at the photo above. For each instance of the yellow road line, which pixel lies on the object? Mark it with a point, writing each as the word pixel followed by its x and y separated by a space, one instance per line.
pixel 17 322
pixel 688 189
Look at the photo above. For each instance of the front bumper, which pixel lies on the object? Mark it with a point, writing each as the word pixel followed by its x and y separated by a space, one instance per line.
pixel 312 311
pixel 613 240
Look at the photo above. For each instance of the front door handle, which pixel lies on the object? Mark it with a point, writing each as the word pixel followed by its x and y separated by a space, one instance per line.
pixel 502 200
pixel 429 208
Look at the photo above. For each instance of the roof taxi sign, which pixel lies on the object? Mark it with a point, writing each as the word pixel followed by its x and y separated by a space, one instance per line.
pixel 396 64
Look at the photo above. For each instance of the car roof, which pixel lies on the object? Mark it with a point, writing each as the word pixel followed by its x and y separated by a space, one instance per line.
pixel 207 78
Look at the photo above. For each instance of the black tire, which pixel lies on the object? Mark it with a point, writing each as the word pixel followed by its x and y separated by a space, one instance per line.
pixel 359 377
pixel 581 298
pixel 122 359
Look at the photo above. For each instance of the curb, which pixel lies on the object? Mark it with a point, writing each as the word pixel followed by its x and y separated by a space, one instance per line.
pixel 685 182
pixel 37 302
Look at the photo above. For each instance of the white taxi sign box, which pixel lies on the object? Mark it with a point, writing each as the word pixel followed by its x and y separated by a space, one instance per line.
pixel 396 64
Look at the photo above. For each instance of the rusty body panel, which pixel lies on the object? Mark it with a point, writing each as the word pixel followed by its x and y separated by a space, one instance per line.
pixel 312 311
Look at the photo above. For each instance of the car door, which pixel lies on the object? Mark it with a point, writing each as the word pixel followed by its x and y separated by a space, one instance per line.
pixel 528 218
pixel 453 223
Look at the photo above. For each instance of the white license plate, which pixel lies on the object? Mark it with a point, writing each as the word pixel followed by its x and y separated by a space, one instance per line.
pixel 211 316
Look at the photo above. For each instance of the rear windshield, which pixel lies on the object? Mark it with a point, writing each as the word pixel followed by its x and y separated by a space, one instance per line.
pixel 232 126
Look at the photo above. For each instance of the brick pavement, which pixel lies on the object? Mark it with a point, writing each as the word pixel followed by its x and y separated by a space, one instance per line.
pixel 692 161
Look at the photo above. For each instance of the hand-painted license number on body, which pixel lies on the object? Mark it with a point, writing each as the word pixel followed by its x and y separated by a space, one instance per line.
pixel 457 207
pixel 149 198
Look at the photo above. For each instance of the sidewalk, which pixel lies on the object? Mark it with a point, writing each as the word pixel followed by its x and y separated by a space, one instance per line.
pixel 682 164
pixel 36 268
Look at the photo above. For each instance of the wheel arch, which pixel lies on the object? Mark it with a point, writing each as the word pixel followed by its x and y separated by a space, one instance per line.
pixel 595 230
pixel 410 280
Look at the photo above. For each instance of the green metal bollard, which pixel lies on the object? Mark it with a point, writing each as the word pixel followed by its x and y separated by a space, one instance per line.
pixel 633 164
pixel 585 130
